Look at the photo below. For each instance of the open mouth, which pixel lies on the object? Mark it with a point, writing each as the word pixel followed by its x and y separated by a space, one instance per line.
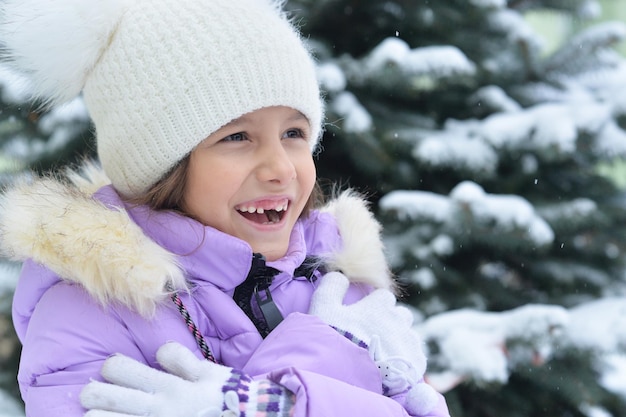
pixel 265 215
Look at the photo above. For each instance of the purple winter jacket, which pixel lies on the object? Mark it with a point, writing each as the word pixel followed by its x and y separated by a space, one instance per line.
pixel 105 302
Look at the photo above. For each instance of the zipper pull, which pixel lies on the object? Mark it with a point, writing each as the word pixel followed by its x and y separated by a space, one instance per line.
pixel 270 312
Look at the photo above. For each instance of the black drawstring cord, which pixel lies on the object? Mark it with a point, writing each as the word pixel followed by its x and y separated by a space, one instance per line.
pixel 202 344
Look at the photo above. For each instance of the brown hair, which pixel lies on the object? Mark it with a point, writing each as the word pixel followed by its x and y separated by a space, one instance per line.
pixel 168 193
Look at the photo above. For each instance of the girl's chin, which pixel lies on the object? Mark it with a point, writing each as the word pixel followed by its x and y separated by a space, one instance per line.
pixel 271 253
pixel 271 245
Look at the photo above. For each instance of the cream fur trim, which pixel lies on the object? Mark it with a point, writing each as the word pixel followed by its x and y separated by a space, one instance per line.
pixel 72 234
pixel 62 227
pixel 362 258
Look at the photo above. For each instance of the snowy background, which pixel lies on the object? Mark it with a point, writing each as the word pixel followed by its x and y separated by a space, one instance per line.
pixel 491 137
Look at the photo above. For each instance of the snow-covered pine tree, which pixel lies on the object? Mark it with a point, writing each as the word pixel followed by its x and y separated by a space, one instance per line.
pixel 481 153
pixel 34 137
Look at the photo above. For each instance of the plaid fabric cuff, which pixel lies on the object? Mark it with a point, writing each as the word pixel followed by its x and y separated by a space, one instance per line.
pixel 351 337
pixel 256 398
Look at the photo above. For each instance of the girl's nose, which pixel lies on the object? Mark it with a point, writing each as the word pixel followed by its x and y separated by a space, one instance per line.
pixel 276 164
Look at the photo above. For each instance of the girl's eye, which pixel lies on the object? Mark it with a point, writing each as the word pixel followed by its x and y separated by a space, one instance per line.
pixel 294 134
pixel 235 137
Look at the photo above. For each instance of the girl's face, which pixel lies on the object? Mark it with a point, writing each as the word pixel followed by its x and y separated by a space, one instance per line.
pixel 253 177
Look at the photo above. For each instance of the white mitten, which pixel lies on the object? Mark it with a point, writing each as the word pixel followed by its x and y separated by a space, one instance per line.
pixel 190 387
pixel 376 323
pixel 374 316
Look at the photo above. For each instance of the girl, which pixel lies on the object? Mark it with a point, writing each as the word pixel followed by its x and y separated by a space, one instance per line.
pixel 199 228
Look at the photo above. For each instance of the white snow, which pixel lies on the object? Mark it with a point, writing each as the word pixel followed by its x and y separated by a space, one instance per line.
pixel 493 96
pixel 473 344
pixel 590 10
pixel 72 111
pixel 543 127
pixel 331 77
pixel 442 245
pixel 509 212
pixel 611 141
pixel 514 25
pixel 599 325
pixel 574 209
pixel 9 273
pixel 549 131
pixel 356 119
pixel 424 277
pixel 442 60
pixel 594 411
pixel 57 126
pixel 416 205
pixel 9 407
pixel 613 376
pixel 15 87
pixel 453 149
pixel 488 3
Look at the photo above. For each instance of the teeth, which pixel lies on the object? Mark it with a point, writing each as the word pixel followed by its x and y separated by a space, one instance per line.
pixel 261 210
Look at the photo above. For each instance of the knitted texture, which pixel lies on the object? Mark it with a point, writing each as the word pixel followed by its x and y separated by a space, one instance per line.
pixel 187 386
pixel 375 322
pixel 162 75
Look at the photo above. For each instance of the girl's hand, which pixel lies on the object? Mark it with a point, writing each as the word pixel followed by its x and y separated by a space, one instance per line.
pixel 189 387
pixel 378 324
pixel 375 316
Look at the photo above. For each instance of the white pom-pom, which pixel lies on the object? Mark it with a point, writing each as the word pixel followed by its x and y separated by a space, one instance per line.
pixel 421 399
pixel 57 42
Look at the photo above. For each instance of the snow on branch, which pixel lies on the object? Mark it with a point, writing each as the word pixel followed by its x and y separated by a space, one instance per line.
pixel 509 215
pixel 591 49
pixel 355 118
pixel 570 215
pixel 56 128
pixel 485 347
pixel 393 65
pixel 14 87
pixel 472 345
pixel 457 150
pixel 599 325
pixel 548 131
pixel 444 61
pixel 418 206
pixel 583 9
pixel 488 4
pixel 494 99
pixel 471 214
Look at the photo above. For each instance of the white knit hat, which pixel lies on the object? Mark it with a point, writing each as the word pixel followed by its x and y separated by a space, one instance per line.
pixel 159 76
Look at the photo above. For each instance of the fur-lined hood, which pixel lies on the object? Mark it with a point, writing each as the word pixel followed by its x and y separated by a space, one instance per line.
pixel 58 223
